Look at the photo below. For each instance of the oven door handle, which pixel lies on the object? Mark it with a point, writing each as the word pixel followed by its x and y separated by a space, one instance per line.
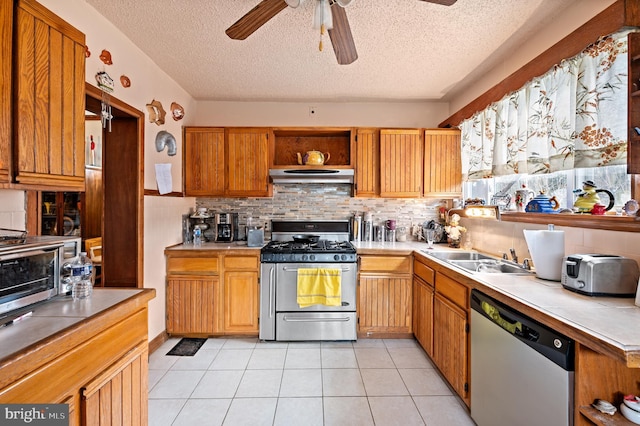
pixel 272 305
pixel 295 269
pixel 315 319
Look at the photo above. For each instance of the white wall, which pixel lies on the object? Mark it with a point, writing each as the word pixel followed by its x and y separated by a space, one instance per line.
pixel 562 25
pixel 336 114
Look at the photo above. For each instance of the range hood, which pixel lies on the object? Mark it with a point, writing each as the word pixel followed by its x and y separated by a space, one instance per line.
pixel 298 175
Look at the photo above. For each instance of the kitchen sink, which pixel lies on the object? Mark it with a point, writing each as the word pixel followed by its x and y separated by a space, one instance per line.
pixel 458 255
pixel 473 261
pixel 493 266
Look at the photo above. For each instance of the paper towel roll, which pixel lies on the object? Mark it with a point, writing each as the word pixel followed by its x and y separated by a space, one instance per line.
pixel 547 251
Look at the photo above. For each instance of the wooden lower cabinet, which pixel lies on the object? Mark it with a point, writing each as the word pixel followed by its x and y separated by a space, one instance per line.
pixel 423 293
pixel 241 301
pixel 99 367
pixel 119 394
pixel 423 314
pixel 450 349
pixel 451 333
pixel 384 296
pixel 190 305
pixel 212 292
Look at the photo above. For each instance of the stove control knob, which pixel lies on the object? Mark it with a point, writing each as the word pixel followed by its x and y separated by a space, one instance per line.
pixel 312 257
pixel 336 257
pixel 304 257
pixel 344 257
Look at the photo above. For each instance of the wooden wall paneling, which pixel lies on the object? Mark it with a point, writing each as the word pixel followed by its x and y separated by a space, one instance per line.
pixel 367 162
pixel 6 104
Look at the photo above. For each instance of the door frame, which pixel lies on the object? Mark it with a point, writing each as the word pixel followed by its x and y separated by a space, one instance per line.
pixel 130 245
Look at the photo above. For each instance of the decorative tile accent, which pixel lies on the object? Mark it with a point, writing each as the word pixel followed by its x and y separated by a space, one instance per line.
pixel 323 202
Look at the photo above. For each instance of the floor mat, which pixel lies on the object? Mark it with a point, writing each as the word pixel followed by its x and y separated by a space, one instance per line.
pixel 187 347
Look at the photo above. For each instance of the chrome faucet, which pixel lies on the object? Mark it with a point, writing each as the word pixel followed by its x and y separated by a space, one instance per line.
pixel 514 257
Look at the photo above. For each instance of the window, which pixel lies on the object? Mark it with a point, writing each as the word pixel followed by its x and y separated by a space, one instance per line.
pixel 560 184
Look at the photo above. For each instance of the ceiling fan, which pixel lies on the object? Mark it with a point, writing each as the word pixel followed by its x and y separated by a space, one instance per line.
pixel 340 33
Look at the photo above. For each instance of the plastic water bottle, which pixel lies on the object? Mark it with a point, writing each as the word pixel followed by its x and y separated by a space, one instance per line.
pixel 197 236
pixel 82 277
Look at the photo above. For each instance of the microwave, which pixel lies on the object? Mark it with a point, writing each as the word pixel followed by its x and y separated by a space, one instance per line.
pixel 29 274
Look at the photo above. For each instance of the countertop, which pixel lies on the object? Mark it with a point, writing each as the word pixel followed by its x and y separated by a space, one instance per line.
pixel 58 315
pixel 405 248
pixel 234 245
pixel 606 324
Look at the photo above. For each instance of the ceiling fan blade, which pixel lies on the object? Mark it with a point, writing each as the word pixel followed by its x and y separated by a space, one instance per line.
pixel 442 2
pixel 341 37
pixel 255 18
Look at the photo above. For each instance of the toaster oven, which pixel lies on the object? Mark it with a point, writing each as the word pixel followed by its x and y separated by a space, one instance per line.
pixel 29 274
pixel 600 275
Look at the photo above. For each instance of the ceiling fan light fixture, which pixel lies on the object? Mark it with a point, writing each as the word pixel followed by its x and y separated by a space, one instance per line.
pixel 294 3
pixel 322 18
pixel 342 3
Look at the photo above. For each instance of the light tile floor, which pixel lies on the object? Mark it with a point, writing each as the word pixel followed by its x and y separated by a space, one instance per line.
pixel 240 381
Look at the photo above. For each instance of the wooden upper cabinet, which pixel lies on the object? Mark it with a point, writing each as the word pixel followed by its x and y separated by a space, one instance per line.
pixel 204 161
pixel 367 172
pixel 401 153
pixel 247 162
pixel 442 163
pixel 49 94
pixel 6 26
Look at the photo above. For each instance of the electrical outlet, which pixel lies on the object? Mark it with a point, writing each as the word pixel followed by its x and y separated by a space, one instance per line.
pixel 312 111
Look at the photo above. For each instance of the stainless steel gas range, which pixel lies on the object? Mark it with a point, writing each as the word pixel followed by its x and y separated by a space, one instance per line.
pixel 307 245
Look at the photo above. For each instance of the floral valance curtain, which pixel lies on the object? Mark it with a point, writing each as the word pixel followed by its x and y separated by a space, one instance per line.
pixel 573 116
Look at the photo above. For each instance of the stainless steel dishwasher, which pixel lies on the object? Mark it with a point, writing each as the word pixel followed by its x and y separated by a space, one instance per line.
pixel 521 370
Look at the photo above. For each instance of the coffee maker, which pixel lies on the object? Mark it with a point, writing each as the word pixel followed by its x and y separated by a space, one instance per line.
pixel 226 227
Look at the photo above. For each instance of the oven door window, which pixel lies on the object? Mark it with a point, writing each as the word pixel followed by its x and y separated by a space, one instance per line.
pixel 27 273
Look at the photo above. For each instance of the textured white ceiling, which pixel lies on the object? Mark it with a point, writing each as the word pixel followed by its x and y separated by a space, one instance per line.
pixel 408 50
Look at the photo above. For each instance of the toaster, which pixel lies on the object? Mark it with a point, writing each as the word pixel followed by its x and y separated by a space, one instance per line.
pixel 600 275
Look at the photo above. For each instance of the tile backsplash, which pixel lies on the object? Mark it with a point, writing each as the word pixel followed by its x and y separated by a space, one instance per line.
pixel 323 202
pixel 496 237
pixel 12 209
